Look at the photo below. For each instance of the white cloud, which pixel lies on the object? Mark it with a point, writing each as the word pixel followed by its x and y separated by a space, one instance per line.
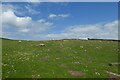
pixel 63 15
pixel 83 28
pixel 31 10
pixel 40 26
pixel 52 16
pixel 14 8
pixel 7 7
pixel 41 21
pixel 100 31
pixel 24 24
pixel 24 30
pixel 9 18
pixel 58 15
pixel 22 10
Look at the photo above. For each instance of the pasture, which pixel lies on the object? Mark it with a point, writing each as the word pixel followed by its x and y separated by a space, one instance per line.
pixel 58 59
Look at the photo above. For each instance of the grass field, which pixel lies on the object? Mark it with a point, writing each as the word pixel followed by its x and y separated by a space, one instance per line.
pixel 58 59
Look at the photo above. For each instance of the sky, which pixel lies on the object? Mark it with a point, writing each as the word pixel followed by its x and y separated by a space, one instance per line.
pixel 59 20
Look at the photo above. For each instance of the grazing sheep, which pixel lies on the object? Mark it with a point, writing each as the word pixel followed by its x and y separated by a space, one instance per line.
pixel 42 44
pixel 19 41
pixel 100 41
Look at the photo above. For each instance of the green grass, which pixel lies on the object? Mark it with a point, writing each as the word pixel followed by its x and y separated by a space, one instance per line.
pixel 57 58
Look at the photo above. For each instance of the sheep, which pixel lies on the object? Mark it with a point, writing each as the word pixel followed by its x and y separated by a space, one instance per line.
pixel 19 41
pixel 41 44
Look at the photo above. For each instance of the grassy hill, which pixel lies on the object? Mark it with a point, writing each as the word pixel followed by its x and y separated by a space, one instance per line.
pixel 58 59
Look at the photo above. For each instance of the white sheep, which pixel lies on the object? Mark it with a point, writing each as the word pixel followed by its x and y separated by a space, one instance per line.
pixel 42 44
pixel 19 41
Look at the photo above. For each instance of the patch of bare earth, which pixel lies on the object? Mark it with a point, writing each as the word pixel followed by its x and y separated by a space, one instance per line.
pixel 76 73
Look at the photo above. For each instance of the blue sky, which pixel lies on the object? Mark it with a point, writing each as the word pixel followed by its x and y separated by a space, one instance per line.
pixel 59 20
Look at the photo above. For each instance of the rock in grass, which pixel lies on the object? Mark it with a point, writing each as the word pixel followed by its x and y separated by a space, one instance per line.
pixel 113 75
pixel 111 64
